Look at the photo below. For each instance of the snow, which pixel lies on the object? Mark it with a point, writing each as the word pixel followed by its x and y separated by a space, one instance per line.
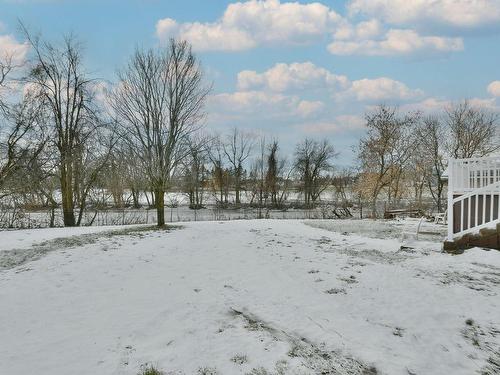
pixel 286 296
pixel 26 238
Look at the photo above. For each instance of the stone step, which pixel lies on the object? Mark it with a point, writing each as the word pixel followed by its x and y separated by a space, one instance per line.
pixel 487 238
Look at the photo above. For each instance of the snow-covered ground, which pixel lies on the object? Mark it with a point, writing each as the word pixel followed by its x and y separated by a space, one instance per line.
pixel 247 297
pixel 24 239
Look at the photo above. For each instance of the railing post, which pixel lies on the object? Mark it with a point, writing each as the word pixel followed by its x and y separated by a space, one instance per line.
pixel 491 205
pixel 476 205
pixel 484 209
pixel 462 215
pixel 451 175
pixel 468 212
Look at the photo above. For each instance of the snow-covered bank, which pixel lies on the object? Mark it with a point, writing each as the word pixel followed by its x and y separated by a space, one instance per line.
pixel 251 295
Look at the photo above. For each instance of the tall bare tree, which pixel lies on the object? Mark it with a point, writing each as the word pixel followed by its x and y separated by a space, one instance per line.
pixel 6 67
pixel 219 180
pixel 22 136
pixel 23 139
pixel 90 161
pixel 258 175
pixel 58 78
pixel 273 172
pixel 385 151
pixel 194 170
pixel 313 163
pixel 237 149
pixel 9 137
pixel 432 157
pixel 473 131
pixel 126 175
pixel 342 182
pixel 159 102
pixel 278 175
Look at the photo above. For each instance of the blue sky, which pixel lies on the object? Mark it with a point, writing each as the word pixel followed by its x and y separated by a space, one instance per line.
pixel 295 69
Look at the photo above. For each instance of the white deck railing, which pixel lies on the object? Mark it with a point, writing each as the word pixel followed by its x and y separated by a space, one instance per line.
pixel 474 173
pixel 470 179
pixel 477 209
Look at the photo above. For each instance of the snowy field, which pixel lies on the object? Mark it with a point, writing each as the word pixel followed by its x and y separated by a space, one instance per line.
pixel 247 297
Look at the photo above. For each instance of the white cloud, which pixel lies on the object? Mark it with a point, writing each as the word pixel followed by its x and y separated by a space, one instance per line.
pixel 245 25
pixel 166 26
pixel 494 88
pixel 305 98
pixel 380 89
pixel 273 21
pixel 454 13
pixel 363 30
pixel 429 105
pixel 11 48
pixel 307 78
pixel 261 102
pixel 340 124
pixel 296 76
pixel 308 108
pixel 395 42
pixel 437 105
pixel 489 103
pixel 205 37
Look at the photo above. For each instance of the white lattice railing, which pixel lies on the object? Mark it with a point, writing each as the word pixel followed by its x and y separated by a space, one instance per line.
pixel 466 175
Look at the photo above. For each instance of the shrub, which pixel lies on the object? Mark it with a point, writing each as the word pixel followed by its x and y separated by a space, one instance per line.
pixel 150 370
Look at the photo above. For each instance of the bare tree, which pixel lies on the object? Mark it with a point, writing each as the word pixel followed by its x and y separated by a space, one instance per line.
pixel 272 173
pixel 277 175
pixel 6 67
pixel 342 182
pixel 194 170
pixel 59 80
pixel 114 180
pixel 22 138
pixel 258 176
pixel 313 162
pixel 10 66
pixel 385 151
pixel 159 102
pixel 42 179
pixel 220 174
pixel 473 131
pixel 237 149
pixel 431 157
pixel 417 173
pixel 9 137
pixel 125 177
pixel 91 159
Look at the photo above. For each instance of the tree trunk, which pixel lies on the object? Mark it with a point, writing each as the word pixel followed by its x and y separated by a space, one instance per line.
pixel 52 215
pixel 440 194
pixel 237 186
pixel 135 198
pixel 82 209
pixel 374 203
pixel 67 197
pixel 160 207
pixel 192 203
